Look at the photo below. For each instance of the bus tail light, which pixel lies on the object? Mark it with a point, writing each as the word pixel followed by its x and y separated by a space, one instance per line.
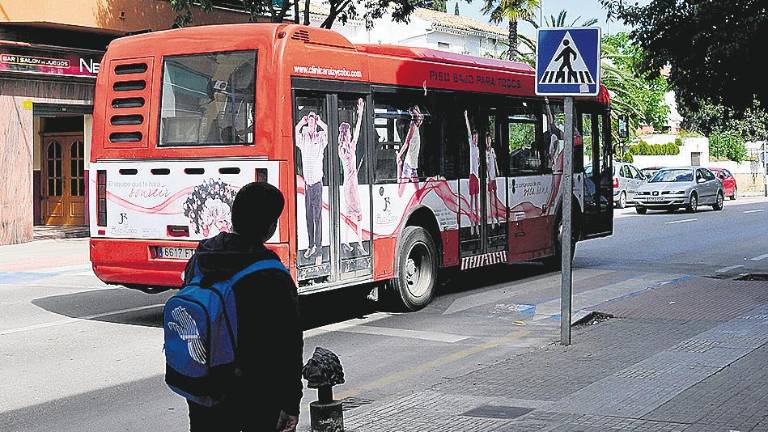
pixel 261 175
pixel 101 198
pixel 615 182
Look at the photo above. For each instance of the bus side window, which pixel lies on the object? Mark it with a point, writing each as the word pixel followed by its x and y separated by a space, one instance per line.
pixel 528 146
pixel 402 125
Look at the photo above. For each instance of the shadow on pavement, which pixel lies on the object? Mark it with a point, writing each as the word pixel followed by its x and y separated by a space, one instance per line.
pixel 133 307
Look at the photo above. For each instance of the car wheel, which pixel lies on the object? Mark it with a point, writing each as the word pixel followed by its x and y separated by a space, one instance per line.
pixel 622 203
pixel 693 204
pixel 416 269
pixel 641 210
pixel 718 205
pixel 733 196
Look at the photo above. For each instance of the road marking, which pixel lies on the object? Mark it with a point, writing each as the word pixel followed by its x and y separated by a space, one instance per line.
pixel 752 211
pixel 682 221
pixel 412 334
pixel 727 269
pixel 759 258
pixel 330 328
pixel 77 319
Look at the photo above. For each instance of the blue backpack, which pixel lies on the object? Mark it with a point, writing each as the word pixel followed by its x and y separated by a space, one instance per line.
pixel 200 326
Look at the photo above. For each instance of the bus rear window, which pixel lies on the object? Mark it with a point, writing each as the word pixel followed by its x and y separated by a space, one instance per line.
pixel 208 99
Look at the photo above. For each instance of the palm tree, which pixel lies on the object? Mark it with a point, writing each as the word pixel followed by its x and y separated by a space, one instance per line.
pixel 512 10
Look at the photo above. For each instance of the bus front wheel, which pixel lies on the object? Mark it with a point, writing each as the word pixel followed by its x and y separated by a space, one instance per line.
pixel 415 269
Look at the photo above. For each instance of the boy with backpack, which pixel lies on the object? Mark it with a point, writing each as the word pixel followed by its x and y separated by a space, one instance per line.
pixel 233 339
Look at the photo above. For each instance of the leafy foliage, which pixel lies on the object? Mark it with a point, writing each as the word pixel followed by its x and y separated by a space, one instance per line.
pixel 339 10
pixel 437 5
pixel 638 94
pixel 513 11
pixel 708 118
pixel 645 149
pixel 727 145
pixel 715 47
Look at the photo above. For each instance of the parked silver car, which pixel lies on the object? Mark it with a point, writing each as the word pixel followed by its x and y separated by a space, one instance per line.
pixel 626 179
pixel 688 187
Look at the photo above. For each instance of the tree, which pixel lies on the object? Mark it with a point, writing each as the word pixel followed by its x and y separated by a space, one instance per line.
pixel 715 47
pixel 513 11
pixel 277 10
pixel 436 5
pixel 456 9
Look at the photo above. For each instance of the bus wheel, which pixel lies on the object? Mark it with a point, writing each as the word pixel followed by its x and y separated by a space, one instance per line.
pixel 415 268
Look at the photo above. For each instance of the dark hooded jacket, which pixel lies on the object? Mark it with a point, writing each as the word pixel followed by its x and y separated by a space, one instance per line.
pixel 269 340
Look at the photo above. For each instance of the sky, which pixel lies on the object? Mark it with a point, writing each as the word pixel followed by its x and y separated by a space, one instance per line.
pixel 584 8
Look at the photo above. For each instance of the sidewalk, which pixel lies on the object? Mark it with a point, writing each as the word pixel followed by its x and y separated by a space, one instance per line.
pixel 686 356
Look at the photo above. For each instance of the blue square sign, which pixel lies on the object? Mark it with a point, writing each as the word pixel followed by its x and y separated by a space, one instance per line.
pixel 568 61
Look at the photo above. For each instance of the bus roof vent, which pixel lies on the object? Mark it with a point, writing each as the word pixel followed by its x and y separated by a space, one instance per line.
pixel 302 35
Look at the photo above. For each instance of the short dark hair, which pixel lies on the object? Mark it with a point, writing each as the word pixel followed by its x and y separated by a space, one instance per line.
pixel 257 206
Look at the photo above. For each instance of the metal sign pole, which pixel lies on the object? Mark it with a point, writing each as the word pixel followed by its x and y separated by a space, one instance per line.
pixel 765 168
pixel 566 286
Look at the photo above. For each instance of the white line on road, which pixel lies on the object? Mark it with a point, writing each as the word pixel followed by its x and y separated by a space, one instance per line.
pixel 752 211
pixel 404 333
pixel 727 269
pixel 77 319
pixel 759 258
pixel 682 221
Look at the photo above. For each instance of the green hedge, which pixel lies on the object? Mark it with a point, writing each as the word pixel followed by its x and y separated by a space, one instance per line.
pixel 644 149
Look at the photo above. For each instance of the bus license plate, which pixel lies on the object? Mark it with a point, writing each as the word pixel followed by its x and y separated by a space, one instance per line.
pixel 175 253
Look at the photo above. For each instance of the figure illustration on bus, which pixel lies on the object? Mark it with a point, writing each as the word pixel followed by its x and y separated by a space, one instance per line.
pixel 348 155
pixel 474 176
pixel 209 207
pixel 408 156
pixel 311 139
pixel 495 206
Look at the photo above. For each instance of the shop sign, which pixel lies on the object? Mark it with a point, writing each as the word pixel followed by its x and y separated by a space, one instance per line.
pixel 31 60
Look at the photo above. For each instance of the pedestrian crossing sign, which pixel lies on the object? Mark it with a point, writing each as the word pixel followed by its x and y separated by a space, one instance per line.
pixel 568 61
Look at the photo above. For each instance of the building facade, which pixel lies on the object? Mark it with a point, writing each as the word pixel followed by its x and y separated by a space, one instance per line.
pixel 50 54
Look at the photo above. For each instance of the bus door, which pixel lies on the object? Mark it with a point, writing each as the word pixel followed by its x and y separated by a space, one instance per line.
pixel 483 221
pixel 333 195
pixel 593 124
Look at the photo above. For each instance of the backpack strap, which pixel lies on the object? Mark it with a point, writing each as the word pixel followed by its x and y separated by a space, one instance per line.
pixel 268 264
pixel 197 275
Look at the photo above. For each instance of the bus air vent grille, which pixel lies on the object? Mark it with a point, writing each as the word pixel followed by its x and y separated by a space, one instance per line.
pixel 302 35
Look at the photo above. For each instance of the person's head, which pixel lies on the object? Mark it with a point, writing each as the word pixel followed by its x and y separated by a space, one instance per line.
pixel 312 121
pixel 345 135
pixel 488 142
pixel 255 211
pixel 474 136
pixel 566 43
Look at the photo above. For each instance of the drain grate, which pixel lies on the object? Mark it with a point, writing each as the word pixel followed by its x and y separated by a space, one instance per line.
pixel 753 277
pixel 497 412
pixel 350 403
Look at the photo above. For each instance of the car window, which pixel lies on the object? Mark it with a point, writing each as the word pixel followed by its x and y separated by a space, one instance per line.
pixel 636 173
pixel 727 173
pixel 625 171
pixel 672 175
pixel 707 174
pixel 699 175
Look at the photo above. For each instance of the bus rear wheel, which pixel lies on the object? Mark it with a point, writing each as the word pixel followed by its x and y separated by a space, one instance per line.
pixel 415 269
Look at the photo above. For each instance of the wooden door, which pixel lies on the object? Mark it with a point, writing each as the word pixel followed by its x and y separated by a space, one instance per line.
pixel 63 179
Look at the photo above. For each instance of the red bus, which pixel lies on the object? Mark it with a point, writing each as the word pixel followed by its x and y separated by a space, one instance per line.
pixel 395 161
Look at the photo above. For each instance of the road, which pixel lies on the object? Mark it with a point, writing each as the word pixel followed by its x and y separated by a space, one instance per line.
pixel 76 355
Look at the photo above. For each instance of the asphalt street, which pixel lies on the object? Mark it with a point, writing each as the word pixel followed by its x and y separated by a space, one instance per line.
pixel 76 355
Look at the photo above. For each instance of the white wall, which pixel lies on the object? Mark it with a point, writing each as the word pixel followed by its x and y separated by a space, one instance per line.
pixel 690 145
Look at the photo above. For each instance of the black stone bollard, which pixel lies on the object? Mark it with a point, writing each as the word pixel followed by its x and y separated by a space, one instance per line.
pixel 322 372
